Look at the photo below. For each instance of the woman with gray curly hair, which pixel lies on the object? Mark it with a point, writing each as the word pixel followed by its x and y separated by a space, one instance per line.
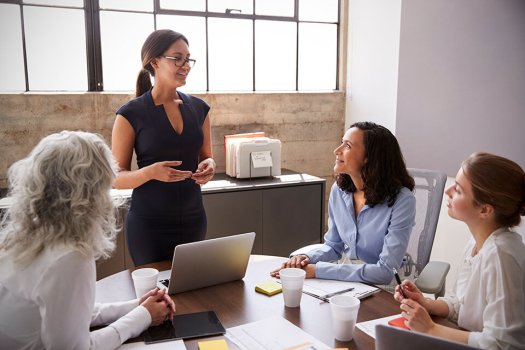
pixel 62 219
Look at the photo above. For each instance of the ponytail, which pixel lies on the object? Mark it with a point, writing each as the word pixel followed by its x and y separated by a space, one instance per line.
pixel 143 82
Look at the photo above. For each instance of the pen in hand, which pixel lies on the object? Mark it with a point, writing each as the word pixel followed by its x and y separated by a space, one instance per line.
pixel 398 280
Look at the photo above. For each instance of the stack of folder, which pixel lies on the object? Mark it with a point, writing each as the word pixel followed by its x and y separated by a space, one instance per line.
pixel 252 155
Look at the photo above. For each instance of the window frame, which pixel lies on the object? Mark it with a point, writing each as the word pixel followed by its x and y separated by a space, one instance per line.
pixel 93 36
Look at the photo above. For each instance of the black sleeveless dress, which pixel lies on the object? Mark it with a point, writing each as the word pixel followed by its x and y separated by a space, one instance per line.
pixel 165 214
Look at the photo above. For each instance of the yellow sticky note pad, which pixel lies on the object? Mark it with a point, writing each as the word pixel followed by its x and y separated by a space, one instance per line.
pixel 269 288
pixel 213 345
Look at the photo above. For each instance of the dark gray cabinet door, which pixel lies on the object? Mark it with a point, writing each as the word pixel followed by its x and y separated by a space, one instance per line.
pixel 291 218
pixel 230 213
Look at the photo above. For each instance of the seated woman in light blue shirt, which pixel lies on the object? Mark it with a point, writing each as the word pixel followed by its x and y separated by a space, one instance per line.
pixel 371 210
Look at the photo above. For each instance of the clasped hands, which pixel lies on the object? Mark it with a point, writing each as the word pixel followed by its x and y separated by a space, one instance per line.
pixel 298 261
pixel 159 304
pixel 165 171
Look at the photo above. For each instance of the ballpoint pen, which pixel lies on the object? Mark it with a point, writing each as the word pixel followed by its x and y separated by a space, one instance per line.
pixel 338 292
pixel 399 283
pixel 326 300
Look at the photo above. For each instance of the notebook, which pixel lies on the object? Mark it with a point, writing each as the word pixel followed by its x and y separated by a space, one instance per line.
pixel 207 263
pixel 393 338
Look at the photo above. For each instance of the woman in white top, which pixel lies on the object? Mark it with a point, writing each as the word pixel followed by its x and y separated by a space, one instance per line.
pixel 488 300
pixel 62 219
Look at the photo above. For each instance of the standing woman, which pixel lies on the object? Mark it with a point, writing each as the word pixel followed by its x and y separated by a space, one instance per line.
pixel 371 211
pixel 488 299
pixel 170 133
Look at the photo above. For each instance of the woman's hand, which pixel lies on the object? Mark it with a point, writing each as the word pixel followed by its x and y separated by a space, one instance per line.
pixel 297 261
pixel 163 171
pixel 204 172
pixel 159 304
pixel 417 316
pixel 411 292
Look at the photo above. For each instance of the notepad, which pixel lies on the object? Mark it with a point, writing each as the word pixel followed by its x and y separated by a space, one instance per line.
pixel 398 322
pixel 269 288
pixel 213 345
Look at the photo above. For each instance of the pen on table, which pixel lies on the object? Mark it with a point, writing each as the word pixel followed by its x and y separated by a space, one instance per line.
pixel 338 292
pixel 326 300
pixel 399 283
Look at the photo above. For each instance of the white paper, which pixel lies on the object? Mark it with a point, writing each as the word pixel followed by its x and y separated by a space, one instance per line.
pixel 369 327
pixel 262 159
pixel 171 345
pixel 321 287
pixel 274 333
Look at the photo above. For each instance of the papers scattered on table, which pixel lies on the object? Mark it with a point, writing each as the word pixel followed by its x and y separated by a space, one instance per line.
pixel 369 327
pixel 271 334
pixel 328 288
pixel 167 345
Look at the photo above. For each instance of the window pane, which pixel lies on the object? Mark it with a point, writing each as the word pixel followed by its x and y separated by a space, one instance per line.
pixel 11 51
pixel 194 29
pixel 317 56
pixel 135 5
pixel 246 6
pixel 231 54
pixel 321 11
pixel 274 7
pixel 56 48
pixel 72 3
pixel 122 36
pixel 183 5
pixel 275 60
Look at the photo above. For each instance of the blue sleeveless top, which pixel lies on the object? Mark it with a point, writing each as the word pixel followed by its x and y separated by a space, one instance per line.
pixel 156 140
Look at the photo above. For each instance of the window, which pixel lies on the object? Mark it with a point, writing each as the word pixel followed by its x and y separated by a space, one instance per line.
pixel 239 45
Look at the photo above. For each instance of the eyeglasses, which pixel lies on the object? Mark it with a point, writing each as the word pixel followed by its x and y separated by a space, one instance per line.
pixel 180 61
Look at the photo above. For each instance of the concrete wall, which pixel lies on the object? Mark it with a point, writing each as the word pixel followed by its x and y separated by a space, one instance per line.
pixel 309 125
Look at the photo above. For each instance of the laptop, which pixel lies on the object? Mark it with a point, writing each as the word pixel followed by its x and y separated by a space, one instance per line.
pixel 207 263
pixel 393 338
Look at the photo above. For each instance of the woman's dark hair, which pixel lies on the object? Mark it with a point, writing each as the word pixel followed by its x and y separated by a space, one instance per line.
pixel 384 172
pixel 499 182
pixel 154 46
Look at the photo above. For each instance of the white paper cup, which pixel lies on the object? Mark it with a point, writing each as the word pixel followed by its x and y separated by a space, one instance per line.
pixel 144 280
pixel 344 310
pixel 292 280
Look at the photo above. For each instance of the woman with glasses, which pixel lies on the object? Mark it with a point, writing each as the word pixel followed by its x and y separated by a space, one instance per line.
pixel 61 220
pixel 170 134
pixel 488 299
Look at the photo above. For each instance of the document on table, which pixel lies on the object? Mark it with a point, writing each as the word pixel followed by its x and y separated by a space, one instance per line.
pixel 166 345
pixel 326 288
pixel 369 327
pixel 274 333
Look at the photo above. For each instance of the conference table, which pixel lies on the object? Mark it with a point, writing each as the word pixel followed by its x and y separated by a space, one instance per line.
pixel 237 303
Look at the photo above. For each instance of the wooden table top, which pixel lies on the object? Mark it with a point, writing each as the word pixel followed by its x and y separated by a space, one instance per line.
pixel 237 303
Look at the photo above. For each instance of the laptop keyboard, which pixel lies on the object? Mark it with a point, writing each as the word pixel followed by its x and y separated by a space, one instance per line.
pixel 165 282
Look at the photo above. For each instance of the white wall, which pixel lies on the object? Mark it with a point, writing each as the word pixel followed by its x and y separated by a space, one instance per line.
pixel 461 81
pixel 373 35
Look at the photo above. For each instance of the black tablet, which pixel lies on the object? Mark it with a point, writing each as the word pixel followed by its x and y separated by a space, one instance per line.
pixel 198 324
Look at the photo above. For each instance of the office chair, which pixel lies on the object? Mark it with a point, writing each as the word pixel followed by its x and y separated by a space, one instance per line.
pixel 430 276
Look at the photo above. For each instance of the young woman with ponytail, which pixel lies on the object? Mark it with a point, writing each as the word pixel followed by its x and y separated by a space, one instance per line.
pixel 170 134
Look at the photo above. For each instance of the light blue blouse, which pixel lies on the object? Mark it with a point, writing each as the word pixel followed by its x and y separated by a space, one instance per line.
pixel 379 237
